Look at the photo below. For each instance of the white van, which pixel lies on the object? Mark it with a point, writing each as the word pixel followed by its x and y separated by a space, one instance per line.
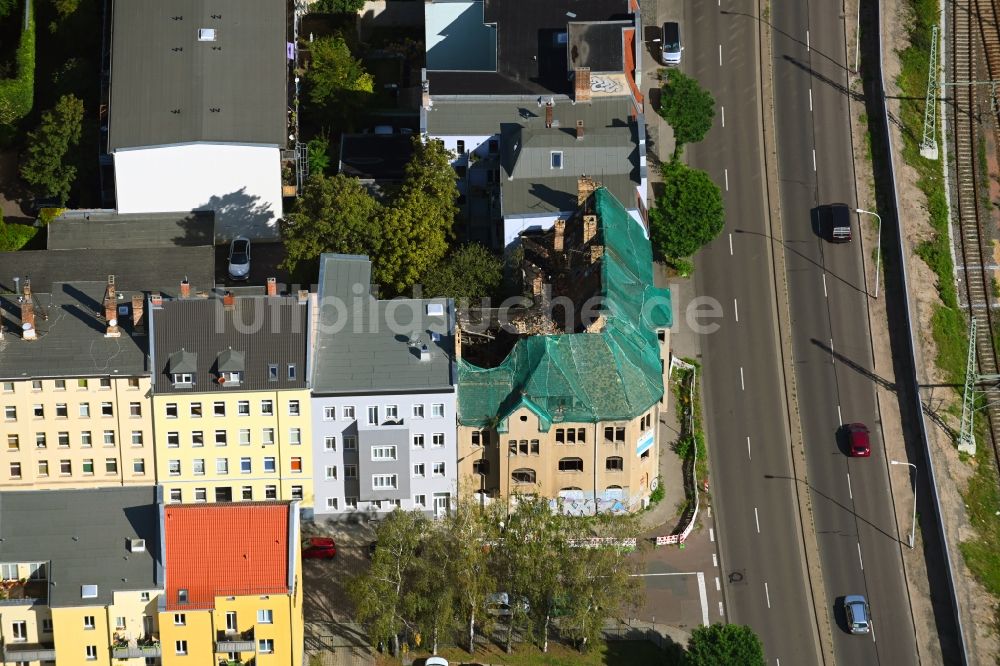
pixel 671 42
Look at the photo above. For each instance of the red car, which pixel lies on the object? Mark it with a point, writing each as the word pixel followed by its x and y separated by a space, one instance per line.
pixel 858 440
pixel 319 548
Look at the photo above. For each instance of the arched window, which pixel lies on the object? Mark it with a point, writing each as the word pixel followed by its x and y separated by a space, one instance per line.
pixel 614 463
pixel 571 465
pixel 523 475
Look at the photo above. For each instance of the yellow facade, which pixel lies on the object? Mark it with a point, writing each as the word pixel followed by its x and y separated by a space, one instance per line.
pixel 252 445
pixel 76 433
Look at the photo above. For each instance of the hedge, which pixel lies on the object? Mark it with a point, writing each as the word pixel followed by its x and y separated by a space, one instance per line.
pixel 17 95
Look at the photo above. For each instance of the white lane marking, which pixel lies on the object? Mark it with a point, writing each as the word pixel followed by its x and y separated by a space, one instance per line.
pixel 810 99
pixel 725 172
pixel 715 560
pixel 833 358
pixel 743 385
pixel 704 598
pixel 872 625
pixel 825 295
pixel 749 457
pixel 721 613
pixel 736 308
pixel 709 510
pixel 768 595
pixel 756 519
pixel 711 534
pixel 730 245
pixel 718 587
pixel 814 159
pixel 720 55
pixel 859 557
pixel 808 48
pixel 840 418
pixel 723 109
pixel 777 662
pixel 850 492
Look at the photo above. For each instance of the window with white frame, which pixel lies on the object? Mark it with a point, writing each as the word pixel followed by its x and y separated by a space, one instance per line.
pixel 418 411
pixel 180 619
pixel 331 472
pixel 10 413
pixel 383 453
pixel 351 502
pixel 271 492
pixel 88 622
pixel 418 441
pixel 109 438
pixel 171 409
pixel 437 410
pixel 197 439
pixel 136 438
pixel 391 412
pixel 373 415
pixel 201 494
pixel 296 492
pixel 246 465
pixel 175 494
pixel 418 470
pixel 330 443
pixel 293 408
pixel 265 646
pixel 267 407
pixel 198 467
pixel 86 439
pixel 91 653
pixel 349 412
pixel 222 465
pixel 420 500
pixel 180 648
pixel 62 411
pixel 173 440
pixel 439 469
pixel 174 467
pixel 384 481
pixel 244 437
pixel 243 408
pixel 267 436
pixel 139 466
pixel 265 616
pixel 219 408
pixel 332 503
pixel 85 410
pixel 437 439
pixel 196 410
pixel 295 436
pixel 269 465
pixel 246 493
pixel 107 409
pixel 8 572
pixel 329 413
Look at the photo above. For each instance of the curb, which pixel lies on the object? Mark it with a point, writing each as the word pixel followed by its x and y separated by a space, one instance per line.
pixel 810 545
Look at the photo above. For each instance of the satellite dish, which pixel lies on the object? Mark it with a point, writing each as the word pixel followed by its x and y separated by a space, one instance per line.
pixel 112 322
pixel 26 326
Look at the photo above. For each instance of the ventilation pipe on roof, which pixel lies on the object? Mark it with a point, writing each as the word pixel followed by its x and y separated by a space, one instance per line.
pixel 425 353
pixel 579 130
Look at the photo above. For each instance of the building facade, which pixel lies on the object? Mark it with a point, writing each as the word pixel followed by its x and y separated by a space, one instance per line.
pixel 384 400
pixel 230 400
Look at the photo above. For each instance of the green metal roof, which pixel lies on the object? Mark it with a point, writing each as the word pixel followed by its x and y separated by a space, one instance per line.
pixel 585 377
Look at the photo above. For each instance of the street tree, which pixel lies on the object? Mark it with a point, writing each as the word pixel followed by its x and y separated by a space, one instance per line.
pixel 432 590
pixel 513 563
pixel 336 81
pixel 688 108
pixel 46 165
pixel 469 272
pixel 337 6
pixel 334 214
pixel 732 644
pixel 687 215
pixel 382 595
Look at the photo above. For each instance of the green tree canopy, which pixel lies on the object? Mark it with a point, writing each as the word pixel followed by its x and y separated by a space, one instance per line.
pixel 730 644
pixel 319 153
pixel 687 215
pixel 45 165
pixel 688 108
pixel 469 272
pixel 336 81
pixel 7 7
pixel 337 6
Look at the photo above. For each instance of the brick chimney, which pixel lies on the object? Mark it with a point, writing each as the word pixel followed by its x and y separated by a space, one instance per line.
pixel 138 312
pixel 458 343
pixel 559 236
pixel 585 186
pixel 272 286
pixel 581 85
pixel 579 130
pixel 589 228
pixel 27 312
pixel 597 325
pixel 303 296
pixel 229 301
pixel 185 288
pixel 111 309
pixel 156 300
pixel 549 110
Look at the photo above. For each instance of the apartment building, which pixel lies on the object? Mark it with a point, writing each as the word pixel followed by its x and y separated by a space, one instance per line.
pixel 74 385
pixel 230 400
pixel 562 399
pixel 81 577
pixel 383 397
pixel 233 584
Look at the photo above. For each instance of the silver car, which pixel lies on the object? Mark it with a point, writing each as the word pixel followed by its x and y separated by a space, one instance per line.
pixel 671 44
pixel 239 258
pixel 859 619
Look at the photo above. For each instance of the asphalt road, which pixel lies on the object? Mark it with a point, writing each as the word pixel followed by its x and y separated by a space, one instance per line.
pixel 755 505
pixel 853 511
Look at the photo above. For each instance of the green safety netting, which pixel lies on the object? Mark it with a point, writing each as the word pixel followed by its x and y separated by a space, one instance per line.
pixel 585 377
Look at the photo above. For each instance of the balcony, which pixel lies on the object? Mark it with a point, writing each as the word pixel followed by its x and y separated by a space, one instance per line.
pixel 26 652
pixel 129 648
pixel 23 592
pixel 235 641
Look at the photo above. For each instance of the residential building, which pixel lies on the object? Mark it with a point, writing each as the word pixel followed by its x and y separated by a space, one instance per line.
pixel 233 584
pixel 198 109
pixel 376 160
pixel 230 400
pixel 82 576
pixel 531 101
pixel 383 397
pixel 74 386
pixel 562 399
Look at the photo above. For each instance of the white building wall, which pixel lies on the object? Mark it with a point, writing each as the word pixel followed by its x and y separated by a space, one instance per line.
pixel 341 428
pixel 241 183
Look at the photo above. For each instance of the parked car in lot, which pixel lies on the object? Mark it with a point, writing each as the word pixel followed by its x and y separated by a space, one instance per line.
pixel 319 548
pixel 671 43
pixel 239 258
pixel 858 614
pixel 858 440
pixel 435 661
pixel 499 604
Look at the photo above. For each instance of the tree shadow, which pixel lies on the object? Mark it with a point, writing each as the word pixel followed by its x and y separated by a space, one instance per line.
pixel 240 213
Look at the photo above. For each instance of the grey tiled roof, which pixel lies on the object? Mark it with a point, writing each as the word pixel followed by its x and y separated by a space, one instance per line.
pixel 599 46
pixel 83 534
pixel 70 336
pixel 537 196
pixel 266 330
pixel 165 81
pixel 372 353
pixel 148 269
pixel 109 230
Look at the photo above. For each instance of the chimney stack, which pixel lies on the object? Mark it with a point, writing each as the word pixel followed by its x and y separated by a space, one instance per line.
pixel 585 186
pixel 558 238
pixel 579 130
pixel 229 301
pixel 27 312
pixel 303 296
pixel 185 288
pixel 589 228
pixel 138 313
pixel 581 85
pixel 111 309
pixel 272 286
pixel 458 343
pixel 156 300
pixel 548 115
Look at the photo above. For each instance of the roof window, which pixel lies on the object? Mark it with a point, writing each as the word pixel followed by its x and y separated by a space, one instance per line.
pixel 556 159
pixel 206 34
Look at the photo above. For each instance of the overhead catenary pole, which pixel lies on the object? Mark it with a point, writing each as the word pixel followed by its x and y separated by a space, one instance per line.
pixel 967 435
pixel 928 144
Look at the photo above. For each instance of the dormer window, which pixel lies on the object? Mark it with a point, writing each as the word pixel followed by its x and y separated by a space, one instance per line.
pixel 181 379
pixel 232 378
pixel 182 366
pixel 230 366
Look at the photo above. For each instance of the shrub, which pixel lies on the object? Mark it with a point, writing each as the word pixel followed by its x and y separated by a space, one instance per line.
pixel 17 95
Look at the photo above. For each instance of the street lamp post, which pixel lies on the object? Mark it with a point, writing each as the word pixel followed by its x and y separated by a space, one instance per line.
pixel 878 248
pixel 913 529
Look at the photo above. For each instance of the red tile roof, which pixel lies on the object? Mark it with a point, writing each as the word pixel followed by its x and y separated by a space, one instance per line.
pixel 218 550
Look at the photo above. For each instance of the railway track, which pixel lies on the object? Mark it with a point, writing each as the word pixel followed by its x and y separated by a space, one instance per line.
pixel 975 27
